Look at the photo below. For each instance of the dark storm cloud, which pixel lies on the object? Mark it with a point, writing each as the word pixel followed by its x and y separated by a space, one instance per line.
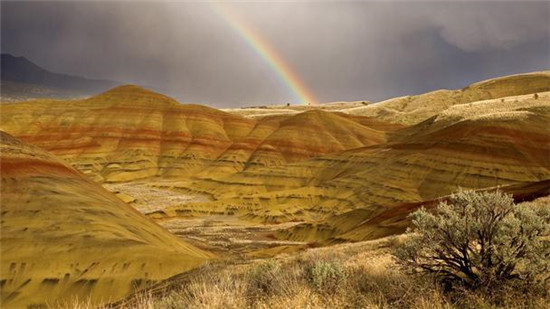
pixel 341 50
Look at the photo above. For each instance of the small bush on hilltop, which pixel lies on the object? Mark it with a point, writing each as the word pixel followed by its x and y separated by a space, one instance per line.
pixel 480 240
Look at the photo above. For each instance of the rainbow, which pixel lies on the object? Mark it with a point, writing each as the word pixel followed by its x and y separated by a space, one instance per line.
pixel 266 51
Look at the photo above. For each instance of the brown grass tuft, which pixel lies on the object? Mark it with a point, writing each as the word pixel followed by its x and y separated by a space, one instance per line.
pixel 361 275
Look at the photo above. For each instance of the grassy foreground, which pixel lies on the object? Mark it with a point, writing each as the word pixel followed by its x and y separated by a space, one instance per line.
pixel 360 275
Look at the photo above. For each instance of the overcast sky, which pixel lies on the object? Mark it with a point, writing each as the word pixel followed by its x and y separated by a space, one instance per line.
pixel 340 50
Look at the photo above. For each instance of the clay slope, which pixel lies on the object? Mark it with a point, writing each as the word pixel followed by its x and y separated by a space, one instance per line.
pixel 471 146
pixel 310 166
pixel 130 133
pixel 409 110
pixel 64 236
pixel 414 109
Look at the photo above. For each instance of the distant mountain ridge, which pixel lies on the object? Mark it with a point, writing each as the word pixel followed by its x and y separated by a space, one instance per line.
pixel 23 79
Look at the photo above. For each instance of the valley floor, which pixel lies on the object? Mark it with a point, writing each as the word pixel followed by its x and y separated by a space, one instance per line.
pixel 254 270
pixel 229 237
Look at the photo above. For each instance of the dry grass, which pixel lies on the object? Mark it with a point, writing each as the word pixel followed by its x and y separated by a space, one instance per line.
pixel 361 275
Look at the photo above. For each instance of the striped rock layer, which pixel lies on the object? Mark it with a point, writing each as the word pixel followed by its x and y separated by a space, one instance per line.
pixel 64 236
pixel 130 133
pixel 315 166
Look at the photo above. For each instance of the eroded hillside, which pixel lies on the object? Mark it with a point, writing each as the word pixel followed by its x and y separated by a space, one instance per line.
pixel 473 146
pixel 64 236
pixel 130 133
pixel 333 170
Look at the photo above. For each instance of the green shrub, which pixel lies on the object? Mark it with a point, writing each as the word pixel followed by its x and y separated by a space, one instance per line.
pixel 264 279
pixel 326 276
pixel 480 239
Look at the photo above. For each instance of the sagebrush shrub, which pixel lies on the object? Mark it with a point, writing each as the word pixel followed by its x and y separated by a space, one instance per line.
pixel 326 276
pixel 264 278
pixel 479 239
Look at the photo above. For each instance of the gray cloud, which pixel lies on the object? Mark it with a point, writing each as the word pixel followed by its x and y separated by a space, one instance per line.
pixel 493 25
pixel 341 50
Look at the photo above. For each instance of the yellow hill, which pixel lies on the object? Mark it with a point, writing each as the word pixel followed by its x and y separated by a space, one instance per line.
pixel 413 109
pixel 64 236
pixel 129 133
pixel 472 146
pixel 309 166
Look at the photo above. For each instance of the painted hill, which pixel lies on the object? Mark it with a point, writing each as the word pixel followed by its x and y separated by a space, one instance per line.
pixel 482 145
pixel 476 145
pixel 63 236
pixel 129 133
pixel 314 166
pixel 409 110
pixel 22 79
pixel 413 109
